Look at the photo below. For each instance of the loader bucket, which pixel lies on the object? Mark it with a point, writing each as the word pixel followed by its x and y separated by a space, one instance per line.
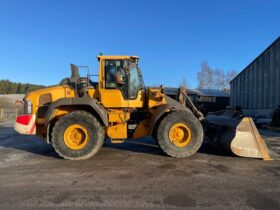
pixel 237 135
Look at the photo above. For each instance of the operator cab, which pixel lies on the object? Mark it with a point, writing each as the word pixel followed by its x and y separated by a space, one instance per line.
pixel 122 79
pixel 123 75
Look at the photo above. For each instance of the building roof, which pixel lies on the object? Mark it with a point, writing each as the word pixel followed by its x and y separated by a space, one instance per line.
pixel 278 39
pixel 200 92
pixel 213 92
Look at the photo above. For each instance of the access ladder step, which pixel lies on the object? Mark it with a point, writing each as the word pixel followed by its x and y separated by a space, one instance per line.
pixel 117 141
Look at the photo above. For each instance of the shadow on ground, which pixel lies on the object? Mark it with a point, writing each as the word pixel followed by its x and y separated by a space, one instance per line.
pixel 33 144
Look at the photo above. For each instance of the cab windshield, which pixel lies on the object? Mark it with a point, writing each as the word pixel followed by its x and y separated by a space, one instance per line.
pixel 135 81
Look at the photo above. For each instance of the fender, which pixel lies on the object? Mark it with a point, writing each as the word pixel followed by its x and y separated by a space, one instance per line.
pixel 156 116
pixel 92 102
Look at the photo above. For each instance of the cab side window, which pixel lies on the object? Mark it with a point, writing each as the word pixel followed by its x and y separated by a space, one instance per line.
pixel 110 75
pixel 116 76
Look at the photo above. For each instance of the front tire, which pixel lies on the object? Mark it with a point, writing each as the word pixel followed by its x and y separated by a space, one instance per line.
pixel 77 136
pixel 180 134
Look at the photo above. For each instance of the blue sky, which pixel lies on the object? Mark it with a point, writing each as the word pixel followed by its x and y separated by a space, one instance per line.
pixel 39 39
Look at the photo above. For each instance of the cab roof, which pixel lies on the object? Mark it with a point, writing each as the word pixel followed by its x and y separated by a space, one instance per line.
pixel 116 57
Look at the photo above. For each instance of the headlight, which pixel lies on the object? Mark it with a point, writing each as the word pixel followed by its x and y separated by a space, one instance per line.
pixel 27 107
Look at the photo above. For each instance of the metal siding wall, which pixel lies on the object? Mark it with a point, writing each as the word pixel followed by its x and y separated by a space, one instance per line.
pixel 263 81
pixel 258 96
pixel 265 90
pixel 273 77
pixel 254 72
pixel 258 86
pixel 234 93
pixel 270 78
pixel 260 92
pixel 267 80
pixel 277 76
pixel 251 87
pixel 231 94
pixel 232 97
pixel 261 65
pixel 241 90
pixel 237 90
pixel 246 90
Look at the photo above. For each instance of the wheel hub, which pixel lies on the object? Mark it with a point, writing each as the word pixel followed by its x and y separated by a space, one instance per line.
pixel 180 134
pixel 76 137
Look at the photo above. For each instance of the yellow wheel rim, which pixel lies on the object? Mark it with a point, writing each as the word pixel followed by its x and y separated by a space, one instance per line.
pixel 180 135
pixel 76 137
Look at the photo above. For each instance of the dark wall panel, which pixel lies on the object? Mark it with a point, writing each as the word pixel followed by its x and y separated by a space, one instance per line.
pixel 258 85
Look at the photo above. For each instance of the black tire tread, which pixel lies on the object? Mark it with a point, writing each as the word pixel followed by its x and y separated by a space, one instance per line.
pixel 86 116
pixel 178 116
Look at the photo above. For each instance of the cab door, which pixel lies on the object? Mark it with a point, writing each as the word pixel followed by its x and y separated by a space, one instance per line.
pixel 112 94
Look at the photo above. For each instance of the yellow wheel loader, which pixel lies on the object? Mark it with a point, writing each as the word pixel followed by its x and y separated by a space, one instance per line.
pixel 78 114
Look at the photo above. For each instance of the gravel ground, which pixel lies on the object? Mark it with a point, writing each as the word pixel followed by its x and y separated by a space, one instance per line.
pixel 135 174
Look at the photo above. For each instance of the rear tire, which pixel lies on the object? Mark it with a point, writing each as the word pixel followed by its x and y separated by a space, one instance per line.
pixel 77 136
pixel 188 134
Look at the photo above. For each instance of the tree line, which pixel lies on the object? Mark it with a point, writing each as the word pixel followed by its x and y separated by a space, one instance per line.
pixel 9 87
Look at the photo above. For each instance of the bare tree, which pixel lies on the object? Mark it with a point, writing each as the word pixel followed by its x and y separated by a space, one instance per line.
pixel 184 83
pixel 214 79
pixel 219 79
pixel 230 75
pixel 205 76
